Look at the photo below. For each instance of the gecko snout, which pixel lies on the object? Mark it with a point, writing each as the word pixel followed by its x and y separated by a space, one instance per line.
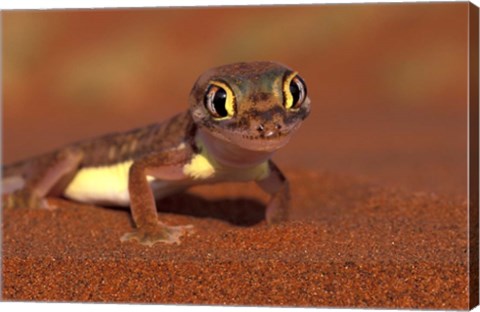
pixel 269 130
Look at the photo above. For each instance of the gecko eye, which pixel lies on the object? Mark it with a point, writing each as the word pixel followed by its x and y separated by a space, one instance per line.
pixel 219 101
pixel 295 91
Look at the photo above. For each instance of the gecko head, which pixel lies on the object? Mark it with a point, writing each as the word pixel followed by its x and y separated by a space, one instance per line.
pixel 255 105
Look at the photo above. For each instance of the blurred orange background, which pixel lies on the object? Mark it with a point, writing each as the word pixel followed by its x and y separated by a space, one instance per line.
pixel 388 82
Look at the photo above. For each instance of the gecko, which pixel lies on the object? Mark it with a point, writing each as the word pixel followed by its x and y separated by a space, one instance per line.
pixel 239 115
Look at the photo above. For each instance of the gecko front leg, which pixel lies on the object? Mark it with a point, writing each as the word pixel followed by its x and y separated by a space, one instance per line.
pixel 149 230
pixel 277 186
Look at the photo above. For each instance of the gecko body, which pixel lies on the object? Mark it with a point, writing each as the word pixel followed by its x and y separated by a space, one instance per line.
pixel 239 115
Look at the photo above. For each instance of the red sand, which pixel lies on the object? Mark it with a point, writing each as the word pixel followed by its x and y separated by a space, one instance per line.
pixel 349 244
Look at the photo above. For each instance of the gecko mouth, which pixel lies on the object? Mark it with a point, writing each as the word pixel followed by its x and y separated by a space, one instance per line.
pixel 262 142
pixel 253 139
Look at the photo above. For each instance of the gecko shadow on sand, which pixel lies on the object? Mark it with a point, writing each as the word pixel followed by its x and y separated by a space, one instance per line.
pixel 239 212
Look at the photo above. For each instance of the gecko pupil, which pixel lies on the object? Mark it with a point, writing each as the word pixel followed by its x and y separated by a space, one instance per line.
pixel 219 101
pixel 295 91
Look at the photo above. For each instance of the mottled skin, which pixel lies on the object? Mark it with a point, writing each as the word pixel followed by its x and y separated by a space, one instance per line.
pixel 239 115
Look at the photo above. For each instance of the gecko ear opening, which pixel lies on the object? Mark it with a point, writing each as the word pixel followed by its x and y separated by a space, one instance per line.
pixel 219 101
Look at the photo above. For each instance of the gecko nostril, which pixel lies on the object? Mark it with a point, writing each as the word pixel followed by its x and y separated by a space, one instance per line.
pixel 260 128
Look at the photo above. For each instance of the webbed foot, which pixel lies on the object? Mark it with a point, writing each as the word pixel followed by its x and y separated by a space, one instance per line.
pixel 149 235
pixel 23 199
